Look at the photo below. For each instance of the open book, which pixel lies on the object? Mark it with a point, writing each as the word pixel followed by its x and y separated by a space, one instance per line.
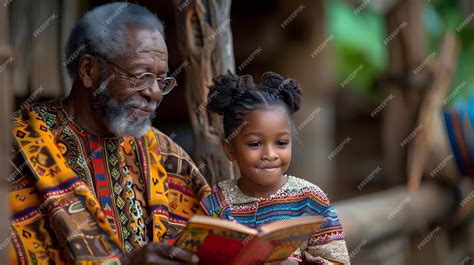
pixel 218 241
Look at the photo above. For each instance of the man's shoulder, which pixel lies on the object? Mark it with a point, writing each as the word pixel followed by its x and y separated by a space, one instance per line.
pixel 161 135
pixel 39 107
pixel 165 143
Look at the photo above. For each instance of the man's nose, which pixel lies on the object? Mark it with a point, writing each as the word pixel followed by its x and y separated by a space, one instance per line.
pixel 153 92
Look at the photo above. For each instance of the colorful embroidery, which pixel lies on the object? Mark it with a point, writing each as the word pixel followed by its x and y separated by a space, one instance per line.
pixel 297 197
pixel 93 198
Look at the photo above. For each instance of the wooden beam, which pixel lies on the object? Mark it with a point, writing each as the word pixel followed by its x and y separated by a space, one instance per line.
pixel 379 215
pixel 6 100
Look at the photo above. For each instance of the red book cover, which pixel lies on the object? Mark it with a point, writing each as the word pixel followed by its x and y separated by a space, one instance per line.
pixel 218 241
pixel 218 250
pixel 256 251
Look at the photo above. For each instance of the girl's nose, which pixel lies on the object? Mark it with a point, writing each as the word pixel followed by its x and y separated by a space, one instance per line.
pixel 270 155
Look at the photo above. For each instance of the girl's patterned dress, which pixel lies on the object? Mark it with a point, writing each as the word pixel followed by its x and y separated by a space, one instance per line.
pixel 297 197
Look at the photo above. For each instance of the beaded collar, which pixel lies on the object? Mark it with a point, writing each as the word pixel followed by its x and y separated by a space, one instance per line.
pixel 234 195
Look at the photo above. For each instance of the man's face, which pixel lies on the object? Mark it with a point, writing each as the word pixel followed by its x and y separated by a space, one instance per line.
pixel 124 110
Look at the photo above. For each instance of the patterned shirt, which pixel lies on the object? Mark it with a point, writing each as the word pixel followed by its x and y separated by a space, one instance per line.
pixel 297 197
pixel 116 171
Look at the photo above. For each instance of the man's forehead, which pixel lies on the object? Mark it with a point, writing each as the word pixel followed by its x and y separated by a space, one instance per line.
pixel 144 40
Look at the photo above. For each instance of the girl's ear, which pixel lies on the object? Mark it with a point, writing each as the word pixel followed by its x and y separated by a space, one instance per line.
pixel 227 149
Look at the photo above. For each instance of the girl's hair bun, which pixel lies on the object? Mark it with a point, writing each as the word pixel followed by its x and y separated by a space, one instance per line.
pixel 226 89
pixel 288 90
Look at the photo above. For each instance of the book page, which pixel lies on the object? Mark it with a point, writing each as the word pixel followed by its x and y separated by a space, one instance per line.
pixel 222 224
pixel 287 235
pixel 200 228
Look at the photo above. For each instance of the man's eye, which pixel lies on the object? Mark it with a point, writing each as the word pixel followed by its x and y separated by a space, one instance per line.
pixel 254 144
pixel 141 75
pixel 137 76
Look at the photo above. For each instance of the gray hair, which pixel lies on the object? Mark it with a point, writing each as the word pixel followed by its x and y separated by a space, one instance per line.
pixel 103 30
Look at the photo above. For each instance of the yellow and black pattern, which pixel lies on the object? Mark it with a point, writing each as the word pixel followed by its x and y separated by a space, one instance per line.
pixel 57 195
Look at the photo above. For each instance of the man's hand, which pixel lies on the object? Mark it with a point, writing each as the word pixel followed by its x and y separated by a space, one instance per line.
pixel 159 253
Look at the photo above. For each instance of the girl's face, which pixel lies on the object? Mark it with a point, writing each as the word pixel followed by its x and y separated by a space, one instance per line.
pixel 262 147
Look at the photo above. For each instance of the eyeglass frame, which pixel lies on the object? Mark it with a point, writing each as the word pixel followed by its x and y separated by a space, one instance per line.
pixel 127 75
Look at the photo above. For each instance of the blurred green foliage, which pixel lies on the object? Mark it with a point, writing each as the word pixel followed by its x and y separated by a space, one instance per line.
pixel 359 33
pixel 358 39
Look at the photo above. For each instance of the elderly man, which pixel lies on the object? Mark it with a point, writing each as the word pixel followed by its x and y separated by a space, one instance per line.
pixel 94 182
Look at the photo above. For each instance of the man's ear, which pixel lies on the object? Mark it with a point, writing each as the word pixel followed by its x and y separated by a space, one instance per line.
pixel 228 149
pixel 88 69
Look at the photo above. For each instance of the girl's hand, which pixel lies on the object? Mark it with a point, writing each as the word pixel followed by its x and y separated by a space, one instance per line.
pixel 159 253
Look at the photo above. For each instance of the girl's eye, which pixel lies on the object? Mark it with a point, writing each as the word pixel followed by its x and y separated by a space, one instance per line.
pixel 282 143
pixel 254 144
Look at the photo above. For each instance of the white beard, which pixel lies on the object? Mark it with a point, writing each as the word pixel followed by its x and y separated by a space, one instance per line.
pixel 117 118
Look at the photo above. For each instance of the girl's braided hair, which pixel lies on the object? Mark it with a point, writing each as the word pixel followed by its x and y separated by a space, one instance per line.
pixel 235 96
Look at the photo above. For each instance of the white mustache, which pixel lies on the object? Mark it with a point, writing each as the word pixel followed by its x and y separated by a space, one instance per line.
pixel 136 102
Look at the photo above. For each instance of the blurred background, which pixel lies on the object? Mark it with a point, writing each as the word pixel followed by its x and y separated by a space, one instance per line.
pixel 378 79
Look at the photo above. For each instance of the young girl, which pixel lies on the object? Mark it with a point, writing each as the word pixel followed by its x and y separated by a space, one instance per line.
pixel 257 130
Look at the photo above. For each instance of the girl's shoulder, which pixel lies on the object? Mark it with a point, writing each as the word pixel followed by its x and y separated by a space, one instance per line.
pixel 303 187
pixel 221 190
pixel 225 185
pixel 295 183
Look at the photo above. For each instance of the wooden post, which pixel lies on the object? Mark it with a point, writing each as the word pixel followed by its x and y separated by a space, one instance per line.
pixel 35 29
pixel 309 61
pixel 405 81
pixel 419 150
pixel 205 42
pixel 6 99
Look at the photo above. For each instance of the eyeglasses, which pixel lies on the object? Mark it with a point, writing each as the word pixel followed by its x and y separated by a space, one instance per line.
pixel 145 80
